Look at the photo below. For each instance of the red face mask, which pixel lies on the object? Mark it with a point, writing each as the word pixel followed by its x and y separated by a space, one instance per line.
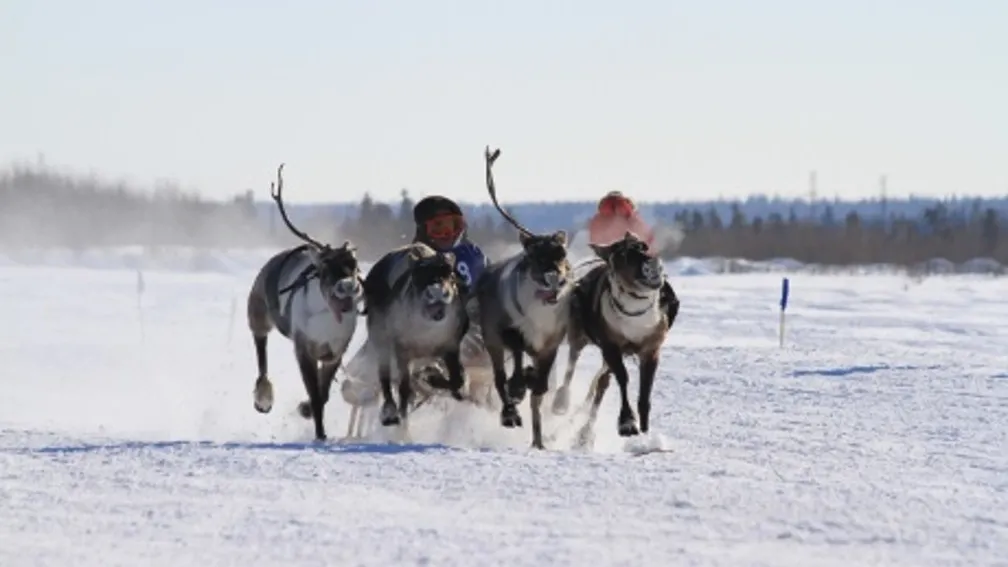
pixel 444 229
pixel 613 206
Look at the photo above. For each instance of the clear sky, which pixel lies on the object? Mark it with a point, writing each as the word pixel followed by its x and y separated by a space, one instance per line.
pixel 663 99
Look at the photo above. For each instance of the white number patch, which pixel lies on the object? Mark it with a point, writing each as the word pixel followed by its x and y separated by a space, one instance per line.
pixel 463 269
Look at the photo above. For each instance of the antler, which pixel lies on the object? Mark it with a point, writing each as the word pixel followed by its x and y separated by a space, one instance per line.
pixel 492 189
pixel 275 191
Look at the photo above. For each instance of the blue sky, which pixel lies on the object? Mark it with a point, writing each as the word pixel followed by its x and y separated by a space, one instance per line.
pixel 662 99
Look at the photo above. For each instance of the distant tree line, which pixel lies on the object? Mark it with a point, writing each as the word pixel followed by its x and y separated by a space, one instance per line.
pixel 378 227
pixel 941 232
pixel 956 235
pixel 42 207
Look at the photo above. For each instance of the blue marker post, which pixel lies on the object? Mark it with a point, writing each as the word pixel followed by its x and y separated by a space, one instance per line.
pixel 785 290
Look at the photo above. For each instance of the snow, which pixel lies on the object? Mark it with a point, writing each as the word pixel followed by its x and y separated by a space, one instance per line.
pixel 877 436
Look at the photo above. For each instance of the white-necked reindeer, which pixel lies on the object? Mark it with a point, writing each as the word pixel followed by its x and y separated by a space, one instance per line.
pixel 309 293
pixel 624 307
pixel 524 308
pixel 415 311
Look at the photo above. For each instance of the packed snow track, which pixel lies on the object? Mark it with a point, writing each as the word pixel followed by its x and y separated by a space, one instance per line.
pixel 877 436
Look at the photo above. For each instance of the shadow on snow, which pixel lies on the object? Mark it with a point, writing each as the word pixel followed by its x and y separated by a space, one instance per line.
pixel 843 371
pixel 330 448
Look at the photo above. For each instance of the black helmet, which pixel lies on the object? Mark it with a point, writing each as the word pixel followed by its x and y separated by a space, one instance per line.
pixel 427 210
pixel 429 207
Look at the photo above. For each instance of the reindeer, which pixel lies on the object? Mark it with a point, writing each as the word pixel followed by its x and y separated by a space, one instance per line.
pixel 523 306
pixel 415 312
pixel 309 294
pixel 624 307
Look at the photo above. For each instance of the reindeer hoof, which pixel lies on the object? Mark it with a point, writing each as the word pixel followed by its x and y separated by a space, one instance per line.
pixel 390 415
pixel 628 428
pixel 561 400
pixel 585 437
pixel 304 409
pixel 262 398
pixel 510 417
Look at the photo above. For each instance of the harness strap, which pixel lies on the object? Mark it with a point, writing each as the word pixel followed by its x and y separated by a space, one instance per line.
pixel 619 306
pixel 514 281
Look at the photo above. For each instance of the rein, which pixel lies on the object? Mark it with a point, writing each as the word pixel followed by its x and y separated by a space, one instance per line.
pixel 308 274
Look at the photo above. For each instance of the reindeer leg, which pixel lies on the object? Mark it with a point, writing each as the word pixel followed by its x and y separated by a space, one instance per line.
pixel 509 413
pixel 586 436
pixel 648 369
pixel 389 412
pixel 517 383
pixel 262 397
pixel 456 376
pixel 561 400
pixel 326 374
pixel 405 392
pixel 516 386
pixel 593 387
pixel 627 423
pixel 543 365
pixel 260 325
pixel 310 376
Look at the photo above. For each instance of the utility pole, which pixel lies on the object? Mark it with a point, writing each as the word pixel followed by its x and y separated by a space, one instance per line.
pixel 812 194
pixel 883 199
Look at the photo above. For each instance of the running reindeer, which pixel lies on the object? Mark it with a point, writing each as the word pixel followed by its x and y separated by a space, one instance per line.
pixel 415 311
pixel 523 305
pixel 309 293
pixel 624 307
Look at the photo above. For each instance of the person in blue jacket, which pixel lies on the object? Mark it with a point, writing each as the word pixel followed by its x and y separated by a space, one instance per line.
pixel 441 225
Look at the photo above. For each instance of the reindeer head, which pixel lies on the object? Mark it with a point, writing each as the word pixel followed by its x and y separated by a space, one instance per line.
pixel 339 276
pixel 337 269
pixel 434 280
pixel 629 261
pixel 547 261
pixel 546 254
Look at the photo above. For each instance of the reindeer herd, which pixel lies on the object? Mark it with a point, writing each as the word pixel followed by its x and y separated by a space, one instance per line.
pixel 417 316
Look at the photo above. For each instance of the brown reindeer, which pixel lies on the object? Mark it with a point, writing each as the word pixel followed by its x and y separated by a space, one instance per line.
pixel 624 307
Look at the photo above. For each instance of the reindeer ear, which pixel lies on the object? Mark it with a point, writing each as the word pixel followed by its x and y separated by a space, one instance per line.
pixel 603 252
pixel 415 253
pixel 525 239
pixel 560 237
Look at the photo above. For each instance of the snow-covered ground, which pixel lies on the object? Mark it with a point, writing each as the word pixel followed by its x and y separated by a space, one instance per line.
pixel 877 436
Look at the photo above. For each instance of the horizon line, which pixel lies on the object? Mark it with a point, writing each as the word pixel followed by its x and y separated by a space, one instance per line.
pixel 73 174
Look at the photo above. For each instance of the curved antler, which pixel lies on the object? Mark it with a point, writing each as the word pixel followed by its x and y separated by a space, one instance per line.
pixel 492 189
pixel 276 189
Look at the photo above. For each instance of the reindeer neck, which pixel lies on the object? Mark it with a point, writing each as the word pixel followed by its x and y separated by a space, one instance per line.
pixel 628 302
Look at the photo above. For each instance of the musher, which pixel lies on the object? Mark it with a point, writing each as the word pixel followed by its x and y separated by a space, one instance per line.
pixel 615 215
pixel 441 225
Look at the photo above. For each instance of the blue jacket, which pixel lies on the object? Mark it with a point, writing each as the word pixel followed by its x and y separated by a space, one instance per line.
pixel 470 261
